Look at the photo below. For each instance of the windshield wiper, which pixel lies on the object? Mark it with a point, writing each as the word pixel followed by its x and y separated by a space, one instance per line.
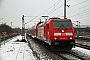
pixel 62 26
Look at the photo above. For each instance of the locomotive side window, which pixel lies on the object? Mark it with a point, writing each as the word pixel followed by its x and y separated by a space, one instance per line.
pixel 62 24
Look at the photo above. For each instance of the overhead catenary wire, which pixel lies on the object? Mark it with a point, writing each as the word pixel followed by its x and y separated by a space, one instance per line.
pixel 54 5
pixel 75 6
pixel 56 8
pixel 79 3
pixel 53 8
pixel 79 12
pixel 45 11
pixel 31 19
pixel 82 14
pixel 79 8
pixel 81 17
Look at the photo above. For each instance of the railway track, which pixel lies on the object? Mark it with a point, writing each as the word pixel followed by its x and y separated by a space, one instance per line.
pixel 18 53
pixel 82 46
pixel 69 56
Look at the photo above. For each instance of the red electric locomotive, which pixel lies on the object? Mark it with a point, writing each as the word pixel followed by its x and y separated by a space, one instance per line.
pixel 57 33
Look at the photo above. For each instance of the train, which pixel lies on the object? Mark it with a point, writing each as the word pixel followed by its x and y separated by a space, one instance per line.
pixel 56 33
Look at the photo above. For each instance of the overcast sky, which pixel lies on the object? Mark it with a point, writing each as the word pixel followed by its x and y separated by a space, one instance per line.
pixel 12 10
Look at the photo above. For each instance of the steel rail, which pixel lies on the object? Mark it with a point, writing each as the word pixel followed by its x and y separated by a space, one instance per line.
pixel 82 46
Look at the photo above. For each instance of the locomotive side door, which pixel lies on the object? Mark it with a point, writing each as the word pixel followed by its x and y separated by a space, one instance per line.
pixel 47 31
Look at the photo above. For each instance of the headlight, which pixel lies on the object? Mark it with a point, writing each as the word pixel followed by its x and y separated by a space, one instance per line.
pixel 55 38
pixel 57 34
pixel 69 34
pixel 70 38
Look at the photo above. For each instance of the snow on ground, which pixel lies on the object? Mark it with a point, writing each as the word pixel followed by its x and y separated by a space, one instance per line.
pixel 82 50
pixel 86 36
pixel 16 50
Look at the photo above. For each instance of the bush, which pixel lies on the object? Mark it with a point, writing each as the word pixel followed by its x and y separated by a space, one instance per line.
pixel 8 29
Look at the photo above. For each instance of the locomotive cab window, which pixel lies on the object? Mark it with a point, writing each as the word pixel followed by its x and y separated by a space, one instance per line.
pixel 62 24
